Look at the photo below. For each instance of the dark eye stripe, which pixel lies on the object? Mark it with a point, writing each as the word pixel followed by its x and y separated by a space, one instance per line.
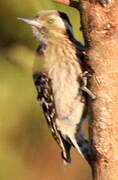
pixel 64 17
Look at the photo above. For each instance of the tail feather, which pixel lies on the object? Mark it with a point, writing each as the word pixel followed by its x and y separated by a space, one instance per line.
pixel 83 144
pixel 65 150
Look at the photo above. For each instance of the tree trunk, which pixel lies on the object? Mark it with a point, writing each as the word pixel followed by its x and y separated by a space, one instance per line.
pixel 100 26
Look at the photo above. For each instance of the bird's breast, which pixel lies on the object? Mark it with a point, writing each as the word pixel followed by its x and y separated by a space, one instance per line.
pixel 65 86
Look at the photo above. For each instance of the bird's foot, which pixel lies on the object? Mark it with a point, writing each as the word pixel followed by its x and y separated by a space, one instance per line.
pixel 83 77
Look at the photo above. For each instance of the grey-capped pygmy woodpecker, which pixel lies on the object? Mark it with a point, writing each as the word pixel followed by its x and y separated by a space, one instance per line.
pixel 58 74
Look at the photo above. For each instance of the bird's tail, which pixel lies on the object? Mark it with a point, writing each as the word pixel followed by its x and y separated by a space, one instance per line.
pixel 83 144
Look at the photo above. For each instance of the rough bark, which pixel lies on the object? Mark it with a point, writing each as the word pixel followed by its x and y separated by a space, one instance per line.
pixel 100 27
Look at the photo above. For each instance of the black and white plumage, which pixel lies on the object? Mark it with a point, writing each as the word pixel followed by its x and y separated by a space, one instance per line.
pixel 46 99
pixel 57 76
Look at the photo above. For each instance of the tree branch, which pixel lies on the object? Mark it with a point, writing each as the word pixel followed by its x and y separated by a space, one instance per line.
pixel 100 24
pixel 70 3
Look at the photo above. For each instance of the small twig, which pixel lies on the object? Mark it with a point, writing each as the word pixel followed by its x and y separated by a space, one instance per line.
pixel 66 2
pixel 70 3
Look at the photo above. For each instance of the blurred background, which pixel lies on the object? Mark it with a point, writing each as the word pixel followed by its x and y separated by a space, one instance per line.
pixel 27 149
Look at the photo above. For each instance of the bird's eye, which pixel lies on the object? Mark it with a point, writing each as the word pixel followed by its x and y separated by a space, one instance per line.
pixel 50 21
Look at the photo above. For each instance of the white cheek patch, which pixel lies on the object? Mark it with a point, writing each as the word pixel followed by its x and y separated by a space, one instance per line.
pixel 35 31
pixel 60 23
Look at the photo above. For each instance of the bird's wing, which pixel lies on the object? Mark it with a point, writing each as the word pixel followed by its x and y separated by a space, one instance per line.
pixel 45 98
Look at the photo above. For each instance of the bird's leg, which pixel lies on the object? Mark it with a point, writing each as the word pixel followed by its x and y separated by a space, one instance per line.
pixel 83 77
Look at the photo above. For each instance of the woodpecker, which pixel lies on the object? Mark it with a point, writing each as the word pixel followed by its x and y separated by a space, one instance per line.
pixel 60 80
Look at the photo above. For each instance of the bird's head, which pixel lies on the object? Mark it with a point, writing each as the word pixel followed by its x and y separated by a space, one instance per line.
pixel 49 24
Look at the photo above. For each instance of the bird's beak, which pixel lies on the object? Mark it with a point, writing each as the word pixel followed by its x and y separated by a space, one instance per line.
pixel 31 21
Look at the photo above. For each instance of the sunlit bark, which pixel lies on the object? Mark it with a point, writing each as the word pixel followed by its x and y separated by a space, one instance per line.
pixel 99 20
